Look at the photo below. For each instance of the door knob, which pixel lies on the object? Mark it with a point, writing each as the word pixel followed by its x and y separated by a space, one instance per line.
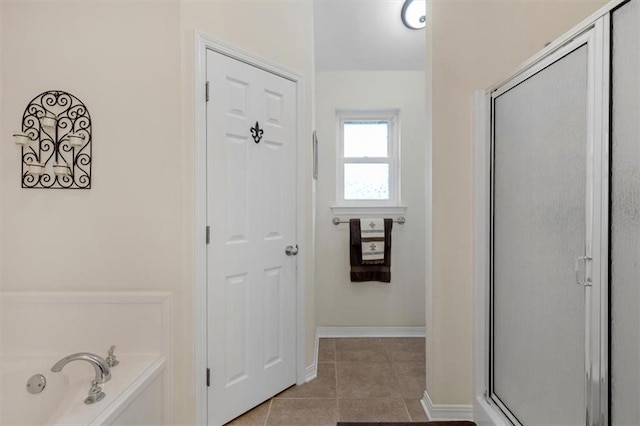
pixel 291 250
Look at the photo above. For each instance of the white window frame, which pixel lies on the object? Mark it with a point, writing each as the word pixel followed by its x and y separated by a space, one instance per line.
pixel 392 117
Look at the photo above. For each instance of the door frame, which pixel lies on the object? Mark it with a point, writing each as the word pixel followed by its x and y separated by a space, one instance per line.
pixel 202 43
pixel 485 410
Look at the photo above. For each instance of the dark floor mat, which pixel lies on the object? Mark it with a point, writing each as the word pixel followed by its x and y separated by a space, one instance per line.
pixel 435 423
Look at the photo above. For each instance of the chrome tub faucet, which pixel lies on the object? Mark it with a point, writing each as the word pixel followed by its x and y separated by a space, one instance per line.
pixel 111 358
pixel 103 372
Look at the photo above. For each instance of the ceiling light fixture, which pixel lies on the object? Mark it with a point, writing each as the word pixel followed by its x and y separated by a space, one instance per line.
pixel 414 14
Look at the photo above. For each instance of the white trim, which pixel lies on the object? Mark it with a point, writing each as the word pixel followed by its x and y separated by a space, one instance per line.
pixel 162 298
pixel 203 42
pixel 368 210
pixel 445 411
pixel 301 226
pixel 428 192
pixel 200 223
pixel 392 117
pixel 339 332
pixel 87 297
pixel 481 230
pixel 311 372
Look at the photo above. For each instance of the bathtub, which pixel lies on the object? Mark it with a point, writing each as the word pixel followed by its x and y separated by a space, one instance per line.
pixel 39 328
pixel 134 391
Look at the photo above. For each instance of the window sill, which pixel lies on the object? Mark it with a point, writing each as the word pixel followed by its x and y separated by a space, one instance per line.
pixel 368 210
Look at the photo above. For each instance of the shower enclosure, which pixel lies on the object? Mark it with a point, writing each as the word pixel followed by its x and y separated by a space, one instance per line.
pixel 557 210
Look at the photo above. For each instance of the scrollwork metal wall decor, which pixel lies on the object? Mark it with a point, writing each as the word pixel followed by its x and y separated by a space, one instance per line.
pixel 56 142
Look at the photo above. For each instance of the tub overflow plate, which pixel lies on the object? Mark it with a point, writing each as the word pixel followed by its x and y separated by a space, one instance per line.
pixel 36 383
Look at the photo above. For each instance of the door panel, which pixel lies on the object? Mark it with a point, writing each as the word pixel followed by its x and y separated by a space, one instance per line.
pixel 539 227
pixel 273 320
pixel 625 216
pixel 251 209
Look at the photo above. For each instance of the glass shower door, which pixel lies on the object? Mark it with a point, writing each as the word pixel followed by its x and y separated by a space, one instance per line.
pixel 625 217
pixel 539 226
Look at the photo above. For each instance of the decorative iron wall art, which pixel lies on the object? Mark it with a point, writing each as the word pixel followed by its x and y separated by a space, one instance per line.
pixel 56 142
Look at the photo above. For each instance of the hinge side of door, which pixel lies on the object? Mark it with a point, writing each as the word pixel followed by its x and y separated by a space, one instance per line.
pixel 208 377
pixel 208 234
pixel 206 91
pixel 586 282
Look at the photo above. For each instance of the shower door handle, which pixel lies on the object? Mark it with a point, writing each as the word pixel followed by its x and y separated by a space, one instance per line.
pixel 582 260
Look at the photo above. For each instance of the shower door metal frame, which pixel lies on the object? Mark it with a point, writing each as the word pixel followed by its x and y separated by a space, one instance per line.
pixel 587 39
pixel 595 33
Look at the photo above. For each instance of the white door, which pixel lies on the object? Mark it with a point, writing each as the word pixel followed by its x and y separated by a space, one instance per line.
pixel 251 211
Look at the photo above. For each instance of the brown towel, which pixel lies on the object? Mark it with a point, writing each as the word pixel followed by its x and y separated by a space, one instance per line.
pixel 360 272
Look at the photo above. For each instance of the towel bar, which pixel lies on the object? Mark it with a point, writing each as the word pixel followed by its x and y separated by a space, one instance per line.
pixel 336 220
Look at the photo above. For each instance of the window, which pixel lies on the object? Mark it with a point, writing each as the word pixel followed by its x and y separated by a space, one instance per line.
pixel 368 151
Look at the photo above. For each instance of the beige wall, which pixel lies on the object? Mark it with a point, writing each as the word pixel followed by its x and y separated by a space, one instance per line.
pixel 2 130
pixel 471 45
pixel 132 64
pixel 125 232
pixel 338 301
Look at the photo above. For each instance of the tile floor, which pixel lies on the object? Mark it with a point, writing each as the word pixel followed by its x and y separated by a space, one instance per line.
pixel 367 380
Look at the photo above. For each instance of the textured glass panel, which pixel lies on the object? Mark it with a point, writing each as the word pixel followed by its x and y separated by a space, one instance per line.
pixel 539 229
pixel 625 217
pixel 366 138
pixel 366 181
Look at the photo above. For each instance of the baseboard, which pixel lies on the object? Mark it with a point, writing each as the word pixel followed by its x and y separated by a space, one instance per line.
pixel 339 332
pixel 444 411
pixel 311 372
